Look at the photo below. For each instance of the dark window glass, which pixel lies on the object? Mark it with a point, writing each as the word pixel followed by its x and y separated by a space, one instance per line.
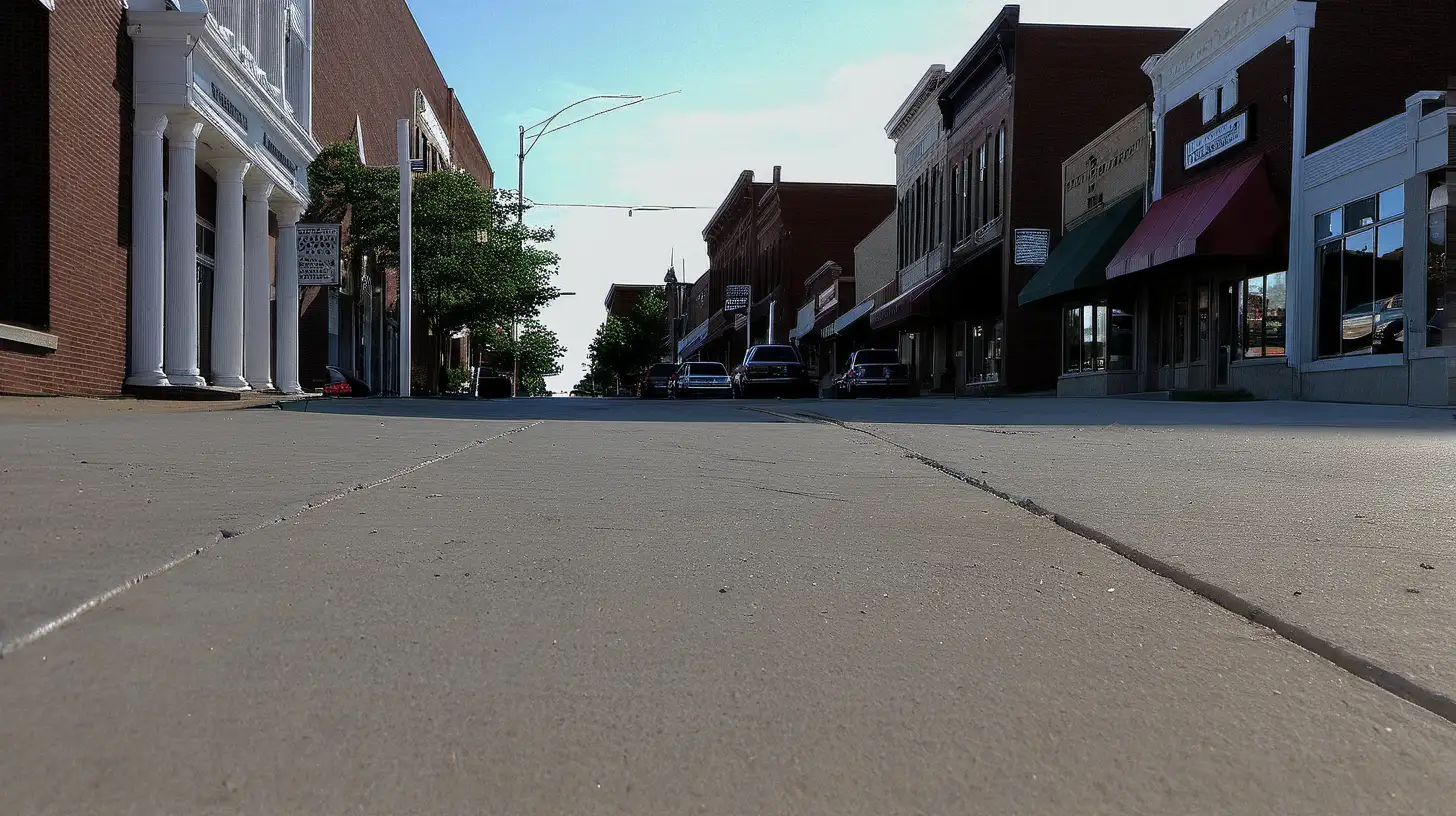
pixel 1330 306
pixel 1328 225
pixel 1072 340
pixel 1360 214
pixel 774 354
pixel 1099 338
pixel 708 369
pixel 1089 338
pixel 1275 300
pixel 1357 317
pixel 877 357
pixel 1180 327
pixel 1254 311
pixel 661 370
pixel 1121 340
pixel 1440 280
pixel 1389 337
pixel 1200 340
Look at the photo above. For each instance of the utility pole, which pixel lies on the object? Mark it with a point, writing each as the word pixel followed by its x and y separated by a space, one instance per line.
pixel 406 253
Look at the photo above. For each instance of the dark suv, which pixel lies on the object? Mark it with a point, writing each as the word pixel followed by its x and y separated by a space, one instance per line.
pixel 775 369
pixel 657 382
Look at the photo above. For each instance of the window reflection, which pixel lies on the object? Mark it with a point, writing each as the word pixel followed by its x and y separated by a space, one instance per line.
pixel 1361 275
pixel 1440 272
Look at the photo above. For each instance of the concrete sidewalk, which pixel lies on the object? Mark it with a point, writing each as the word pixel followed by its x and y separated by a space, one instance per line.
pixel 1340 519
pixel 96 493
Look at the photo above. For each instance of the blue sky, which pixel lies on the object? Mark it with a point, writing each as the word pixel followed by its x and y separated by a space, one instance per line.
pixel 807 84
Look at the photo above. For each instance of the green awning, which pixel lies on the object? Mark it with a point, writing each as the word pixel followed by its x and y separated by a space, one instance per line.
pixel 1080 260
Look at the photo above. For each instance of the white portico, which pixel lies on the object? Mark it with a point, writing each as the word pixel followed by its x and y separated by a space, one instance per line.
pixel 226 87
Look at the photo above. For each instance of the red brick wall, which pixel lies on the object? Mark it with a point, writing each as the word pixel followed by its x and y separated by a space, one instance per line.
pixel 368 58
pixel 1367 57
pixel 89 134
pixel 1071 84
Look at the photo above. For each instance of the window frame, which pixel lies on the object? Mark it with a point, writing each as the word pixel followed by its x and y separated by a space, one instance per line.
pixel 1375 227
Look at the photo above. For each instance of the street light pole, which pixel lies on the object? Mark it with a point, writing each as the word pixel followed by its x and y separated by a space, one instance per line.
pixel 544 127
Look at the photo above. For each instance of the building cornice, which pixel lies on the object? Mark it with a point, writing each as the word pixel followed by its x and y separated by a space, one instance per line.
pixel 219 55
pixel 925 89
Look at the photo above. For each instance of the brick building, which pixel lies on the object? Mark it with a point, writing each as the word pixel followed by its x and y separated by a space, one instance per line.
pixel 772 236
pixel 356 325
pixel 1294 178
pixel 1006 126
pixel 67 207
pixel 174 163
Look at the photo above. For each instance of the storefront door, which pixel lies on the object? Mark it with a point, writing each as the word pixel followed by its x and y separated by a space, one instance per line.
pixel 206 249
pixel 1227 332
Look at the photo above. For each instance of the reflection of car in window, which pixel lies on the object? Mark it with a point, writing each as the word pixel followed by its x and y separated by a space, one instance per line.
pixel 1381 323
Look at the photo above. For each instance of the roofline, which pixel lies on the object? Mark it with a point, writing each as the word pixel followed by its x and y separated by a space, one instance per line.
pixel 745 178
pixel 1010 15
pixel 1094 26
pixel 930 81
pixel 626 287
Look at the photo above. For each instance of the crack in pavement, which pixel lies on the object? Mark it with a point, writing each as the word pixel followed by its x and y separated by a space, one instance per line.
pixel 1362 667
pixel 230 534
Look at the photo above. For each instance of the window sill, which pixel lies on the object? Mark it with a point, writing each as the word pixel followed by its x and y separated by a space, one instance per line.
pixel 1255 362
pixel 29 337
pixel 1347 363
pixel 1076 375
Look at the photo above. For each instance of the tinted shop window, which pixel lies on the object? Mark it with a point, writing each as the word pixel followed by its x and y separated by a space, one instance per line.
pixel 1180 327
pixel 1200 340
pixel 1096 337
pixel 1262 303
pixel 1121 337
pixel 1361 277
pixel 1441 273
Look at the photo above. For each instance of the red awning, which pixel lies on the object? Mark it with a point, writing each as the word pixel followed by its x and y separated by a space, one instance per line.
pixel 1232 213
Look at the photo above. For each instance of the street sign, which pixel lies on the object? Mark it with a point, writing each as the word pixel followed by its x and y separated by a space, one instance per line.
pixel 318 254
pixel 738 298
pixel 1032 246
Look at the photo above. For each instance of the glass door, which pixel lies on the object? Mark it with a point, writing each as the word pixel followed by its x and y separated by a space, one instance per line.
pixel 206 260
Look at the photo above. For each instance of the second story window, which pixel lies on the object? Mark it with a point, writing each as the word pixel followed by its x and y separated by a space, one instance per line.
pixel 1220 99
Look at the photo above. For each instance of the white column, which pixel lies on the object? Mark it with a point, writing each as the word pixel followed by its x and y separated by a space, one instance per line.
pixel 145 365
pixel 227 281
pixel 1301 279
pixel 179 348
pixel 257 278
pixel 287 297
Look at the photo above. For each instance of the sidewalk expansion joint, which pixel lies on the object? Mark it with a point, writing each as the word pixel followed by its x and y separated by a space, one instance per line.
pixel 1436 702
pixel 231 535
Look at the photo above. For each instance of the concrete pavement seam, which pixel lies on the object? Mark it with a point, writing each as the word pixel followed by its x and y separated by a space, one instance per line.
pixel 1368 670
pixel 93 602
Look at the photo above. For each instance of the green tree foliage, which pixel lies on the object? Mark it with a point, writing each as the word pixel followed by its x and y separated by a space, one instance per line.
pixel 474 263
pixel 625 347
pixel 539 349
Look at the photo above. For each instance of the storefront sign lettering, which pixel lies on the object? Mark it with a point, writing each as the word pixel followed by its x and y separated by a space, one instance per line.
pixel 1229 24
pixel 228 107
pixel 1228 135
pixel 279 156
pixel 827 299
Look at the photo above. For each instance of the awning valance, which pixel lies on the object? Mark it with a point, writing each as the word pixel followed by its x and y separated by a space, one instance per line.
pixel 1231 213
pixel 1080 259
pixel 849 318
pixel 914 301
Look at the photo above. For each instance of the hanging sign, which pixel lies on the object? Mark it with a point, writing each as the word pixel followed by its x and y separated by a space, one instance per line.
pixel 1033 246
pixel 737 298
pixel 318 254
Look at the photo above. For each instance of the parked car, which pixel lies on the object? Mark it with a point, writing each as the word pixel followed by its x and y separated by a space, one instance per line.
pixel 775 369
pixel 657 382
pixel 342 384
pixel 702 380
pixel 873 371
pixel 492 384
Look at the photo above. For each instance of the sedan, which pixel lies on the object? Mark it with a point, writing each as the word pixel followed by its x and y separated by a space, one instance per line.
pixel 658 381
pixel 873 371
pixel 701 380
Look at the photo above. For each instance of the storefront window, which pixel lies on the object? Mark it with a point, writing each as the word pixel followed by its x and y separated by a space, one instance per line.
pixel 985 358
pixel 1180 328
pixel 1361 277
pixel 1096 338
pixel 1262 303
pixel 1200 340
pixel 1441 274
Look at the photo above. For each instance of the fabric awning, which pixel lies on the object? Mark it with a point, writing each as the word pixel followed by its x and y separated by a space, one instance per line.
pixel 911 302
pixel 1080 259
pixel 849 318
pixel 1232 213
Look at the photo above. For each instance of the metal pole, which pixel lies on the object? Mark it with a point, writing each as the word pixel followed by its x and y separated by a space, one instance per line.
pixel 771 305
pixel 406 247
pixel 520 219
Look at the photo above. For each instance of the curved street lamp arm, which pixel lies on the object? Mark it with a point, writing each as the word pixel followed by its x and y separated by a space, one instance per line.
pixel 546 123
pixel 639 100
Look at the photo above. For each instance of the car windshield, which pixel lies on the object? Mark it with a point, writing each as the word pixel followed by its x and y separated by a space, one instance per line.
pixel 661 370
pixel 877 357
pixel 708 369
pixel 774 354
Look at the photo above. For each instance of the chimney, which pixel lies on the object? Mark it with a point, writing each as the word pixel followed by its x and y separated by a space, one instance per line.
pixel 778 169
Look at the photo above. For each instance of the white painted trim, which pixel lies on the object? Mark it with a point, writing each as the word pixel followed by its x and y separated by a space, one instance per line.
pixel 29 337
pixel 934 77
pixel 1352 363
pixel 1185 80
pixel 49 4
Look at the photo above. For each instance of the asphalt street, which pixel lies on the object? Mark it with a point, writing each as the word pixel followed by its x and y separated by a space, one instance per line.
pixel 604 606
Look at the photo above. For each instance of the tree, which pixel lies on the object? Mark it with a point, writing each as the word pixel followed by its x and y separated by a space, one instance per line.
pixel 539 349
pixel 474 263
pixel 626 346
